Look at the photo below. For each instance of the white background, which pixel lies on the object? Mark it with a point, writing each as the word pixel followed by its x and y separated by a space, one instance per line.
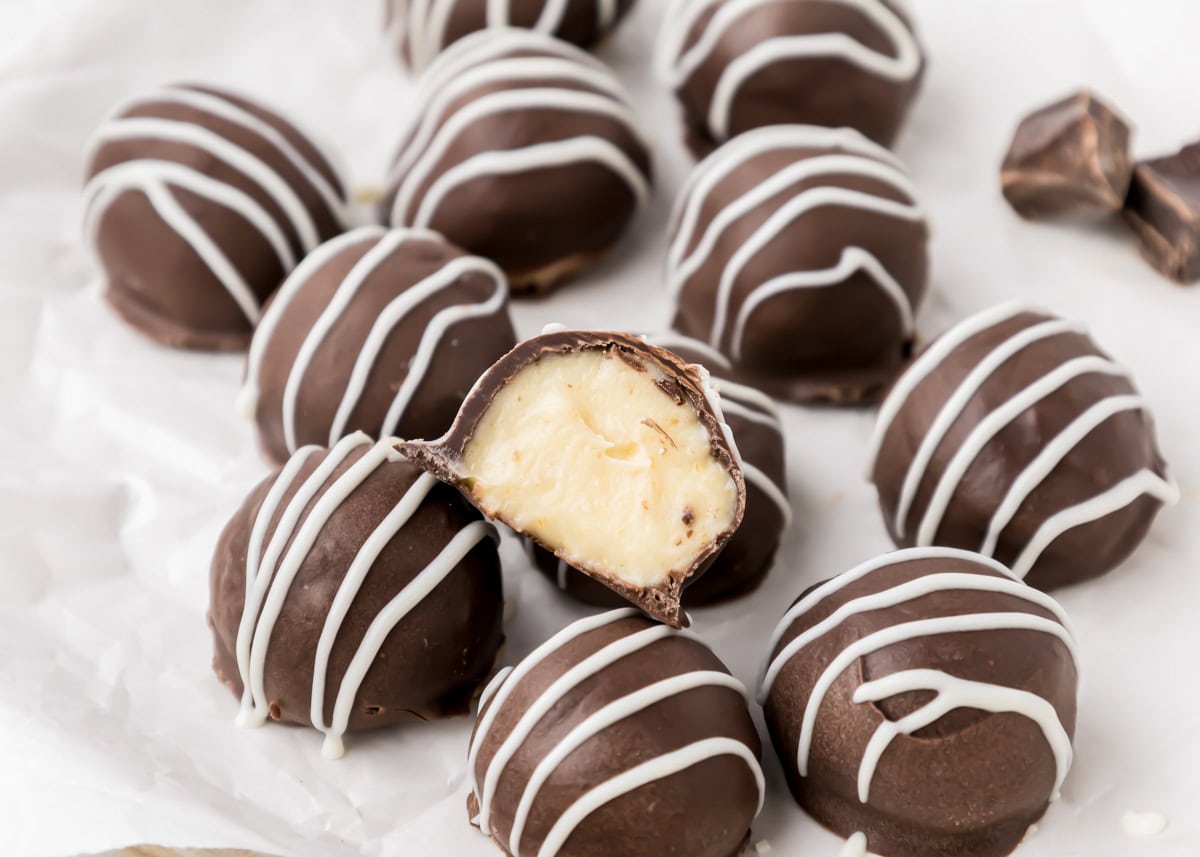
pixel 120 461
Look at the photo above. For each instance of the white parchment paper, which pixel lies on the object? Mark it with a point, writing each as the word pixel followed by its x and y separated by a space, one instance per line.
pixel 120 461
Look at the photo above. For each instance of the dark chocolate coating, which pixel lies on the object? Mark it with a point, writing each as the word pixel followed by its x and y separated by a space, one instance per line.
pixel 1119 446
pixel 681 381
pixel 821 88
pixel 971 782
pixel 431 337
pixel 154 277
pixel 1163 210
pixel 540 218
pixel 579 22
pixel 704 810
pixel 430 664
pixel 839 342
pixel 1071 157
pixel 747 558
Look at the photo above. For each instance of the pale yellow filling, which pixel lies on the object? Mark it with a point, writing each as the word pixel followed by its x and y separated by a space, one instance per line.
pixel 589 456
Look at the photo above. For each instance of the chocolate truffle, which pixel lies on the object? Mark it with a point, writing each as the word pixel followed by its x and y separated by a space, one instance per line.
pixel 1071 157
pixel 748 556
pixel 742 64
pixel 608 452
pixel 1014 435
pixel 379 331
pixel 1163 210
pixel 423 28
pixel 617 736
pixel 525 151
pixel 198 204
pixel 351 591
pixel 925 699
pixel 801 254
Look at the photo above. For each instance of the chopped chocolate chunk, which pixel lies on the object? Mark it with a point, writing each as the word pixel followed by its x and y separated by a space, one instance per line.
pixel 1069 158
pixel 1163 209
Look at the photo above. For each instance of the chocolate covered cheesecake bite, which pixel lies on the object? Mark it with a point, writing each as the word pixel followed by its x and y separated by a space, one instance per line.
pixel 524 150
pixel 423 28
pixel 925 699
pixel 801 254
pixel 617 736
pixel 749 555
pixel 351 591
pixel 198 203
pixel 736 65
pixel 610 453
pixel 382 331
pixel 1014 435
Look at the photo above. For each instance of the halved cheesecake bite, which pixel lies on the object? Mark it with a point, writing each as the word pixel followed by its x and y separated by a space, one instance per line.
pixel 609 452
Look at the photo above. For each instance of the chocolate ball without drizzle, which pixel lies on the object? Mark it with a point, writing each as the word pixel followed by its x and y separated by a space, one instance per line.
pixel 748 556
pixel 525 151
pixel 801 254
pixel 198 203
pixel 1014 435
pixel 736 65
pixel 351 591
pixel 925 699
pixel 422 29
pixel 379 331
pixel 617 736
pixel 608 452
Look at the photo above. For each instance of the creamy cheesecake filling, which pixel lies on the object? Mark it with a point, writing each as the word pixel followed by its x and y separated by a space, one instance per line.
pixel 587 454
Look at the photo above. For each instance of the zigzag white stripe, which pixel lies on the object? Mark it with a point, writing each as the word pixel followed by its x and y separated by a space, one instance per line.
pixel 507 101
pixel 678 64
pixel 313 262
pixel 215 105
pixel 952 693
pixel 892 596
pixel 542 156
pixel 596 723
pixel 853 260
pixel 961 397
pixel 643 774
pixel 241 160
pixel 781 219
pixel 1115 498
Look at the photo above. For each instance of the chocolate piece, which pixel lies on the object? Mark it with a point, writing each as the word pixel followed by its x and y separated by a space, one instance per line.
pixel 380 331
pixel 1071 157
pixel 801 254
pixel 1014 435
pixel 745 561
pixel 525 151
pixel 606 451
pixel 926 699
pixel 742 64
pixel 1163 209
pixel 616 736
pixel 422 30
pixel 374 599
pixel 198 204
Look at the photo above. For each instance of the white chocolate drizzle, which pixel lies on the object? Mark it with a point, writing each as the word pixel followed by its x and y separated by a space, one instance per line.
pixel 484 59
pixel 846 153
pixel 386 245
pixel 156 179
pixel 1039 329
pixel 678 61
pixel 270 574
pixel 421 24
pixel 950 692
pixel 497 694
